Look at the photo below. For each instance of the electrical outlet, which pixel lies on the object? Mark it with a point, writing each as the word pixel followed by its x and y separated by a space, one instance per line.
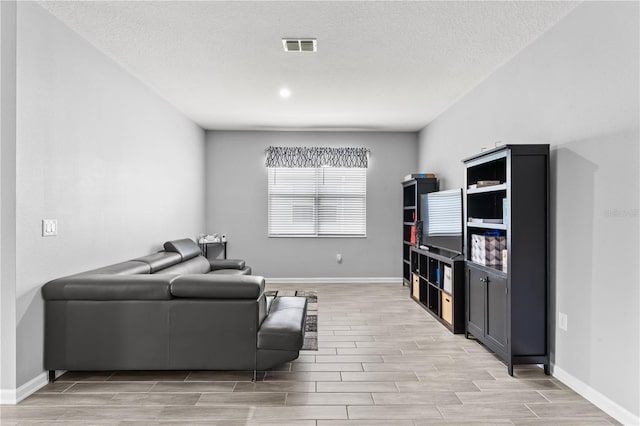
pixel 339 258
pixel 49 227
pixel 562 321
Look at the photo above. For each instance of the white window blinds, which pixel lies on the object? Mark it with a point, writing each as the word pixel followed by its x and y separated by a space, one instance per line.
pixel 313 202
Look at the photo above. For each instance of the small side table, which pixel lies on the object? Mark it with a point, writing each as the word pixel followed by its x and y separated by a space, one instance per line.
pixel 204 247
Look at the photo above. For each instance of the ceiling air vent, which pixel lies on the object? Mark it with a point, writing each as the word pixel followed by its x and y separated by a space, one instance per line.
pixel 300 44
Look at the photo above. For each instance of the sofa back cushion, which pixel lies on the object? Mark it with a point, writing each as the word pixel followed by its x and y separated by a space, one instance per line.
pixel 186 248
pixel 160 260
pixel 196 265
pixel 217 287
pixel 109 287
pixel 129 267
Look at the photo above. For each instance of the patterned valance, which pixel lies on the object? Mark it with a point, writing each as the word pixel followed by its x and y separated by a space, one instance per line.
pixel 313 157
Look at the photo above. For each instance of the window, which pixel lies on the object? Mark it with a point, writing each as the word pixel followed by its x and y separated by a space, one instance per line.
pixel 317 202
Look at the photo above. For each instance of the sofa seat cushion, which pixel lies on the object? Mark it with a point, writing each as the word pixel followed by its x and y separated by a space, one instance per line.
pixel 289 302
pixel 244 271
pixel 109 287
pixel 227 264
pixel 283 328
pixel 217 287
pixel 160 260
pixel 196 265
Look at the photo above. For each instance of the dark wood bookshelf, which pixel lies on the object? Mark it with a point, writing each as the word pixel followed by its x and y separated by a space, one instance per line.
pixel 507 293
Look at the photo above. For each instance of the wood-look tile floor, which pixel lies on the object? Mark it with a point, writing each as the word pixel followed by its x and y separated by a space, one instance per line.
pixel 382 360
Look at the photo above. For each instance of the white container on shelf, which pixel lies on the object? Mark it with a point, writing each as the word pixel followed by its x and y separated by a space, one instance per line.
pixel 446 285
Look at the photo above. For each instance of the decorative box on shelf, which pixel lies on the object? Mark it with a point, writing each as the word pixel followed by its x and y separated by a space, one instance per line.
pixel 487 249
pixel 415 289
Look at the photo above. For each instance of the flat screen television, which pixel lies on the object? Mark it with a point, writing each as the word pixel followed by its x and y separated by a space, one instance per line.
pixel 441 215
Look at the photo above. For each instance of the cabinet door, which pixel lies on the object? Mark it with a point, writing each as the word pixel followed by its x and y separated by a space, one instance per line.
pixel 496 330
pixel 476 291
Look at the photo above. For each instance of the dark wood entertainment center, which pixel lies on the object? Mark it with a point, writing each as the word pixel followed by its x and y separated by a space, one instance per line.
pixel 437 285
pixel 424 270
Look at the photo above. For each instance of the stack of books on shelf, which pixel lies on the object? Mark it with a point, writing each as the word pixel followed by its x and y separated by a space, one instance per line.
pixel 419 176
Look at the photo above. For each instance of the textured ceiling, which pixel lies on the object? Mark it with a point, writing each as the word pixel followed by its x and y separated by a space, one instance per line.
pixel 380 65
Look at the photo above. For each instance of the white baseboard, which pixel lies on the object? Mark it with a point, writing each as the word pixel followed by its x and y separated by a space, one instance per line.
pixel 619 413
pixel 333 280
pixel 14 396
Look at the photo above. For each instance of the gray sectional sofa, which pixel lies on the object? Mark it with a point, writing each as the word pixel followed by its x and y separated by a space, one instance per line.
pixel 172 310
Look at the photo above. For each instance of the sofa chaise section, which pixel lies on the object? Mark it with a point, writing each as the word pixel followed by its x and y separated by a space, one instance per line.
pixel 278 337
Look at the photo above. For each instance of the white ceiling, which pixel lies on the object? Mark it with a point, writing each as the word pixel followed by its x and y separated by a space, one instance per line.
pixel 380 65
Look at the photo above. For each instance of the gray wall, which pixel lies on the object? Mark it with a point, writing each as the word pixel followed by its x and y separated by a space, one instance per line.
pixel 576 88
pixel 7 198
pixel 119 168
pixel 237 205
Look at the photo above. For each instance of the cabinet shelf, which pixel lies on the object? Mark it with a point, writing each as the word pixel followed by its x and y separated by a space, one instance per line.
pixel 434 285
pixel 485 189
pixel 501 226
pixel 489 269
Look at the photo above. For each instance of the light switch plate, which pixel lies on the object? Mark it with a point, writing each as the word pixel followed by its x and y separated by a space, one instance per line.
pixel 562 321
pixel 49 227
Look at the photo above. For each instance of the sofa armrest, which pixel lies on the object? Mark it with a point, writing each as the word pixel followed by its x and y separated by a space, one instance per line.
pixel 218 286
pixel 217 264
pixel 109 287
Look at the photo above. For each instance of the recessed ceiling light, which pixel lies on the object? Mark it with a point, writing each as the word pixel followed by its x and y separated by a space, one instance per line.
pixel 300 44
pixel 285 93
